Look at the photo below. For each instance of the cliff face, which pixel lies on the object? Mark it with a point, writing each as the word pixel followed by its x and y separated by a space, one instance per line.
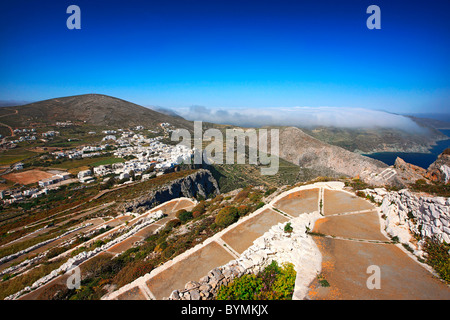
pixel 439 171
pixel 308 152
pixel 200 183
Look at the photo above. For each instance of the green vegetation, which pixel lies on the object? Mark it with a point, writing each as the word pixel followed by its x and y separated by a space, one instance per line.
pixel 439 257
pixel 12 285
pixel 288 228
pixel 227 216
pixel 242 175
pixel 184 216
pixel 15 155
pixel 273 283
pixel 322 281
pixel 437 189
pixel 357 184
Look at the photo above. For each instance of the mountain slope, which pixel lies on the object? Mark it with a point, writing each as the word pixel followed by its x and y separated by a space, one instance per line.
pixel 94 109
pixel 301 149
pixel 369 140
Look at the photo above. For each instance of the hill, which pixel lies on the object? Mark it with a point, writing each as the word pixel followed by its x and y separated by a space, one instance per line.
pixel 93 109
pixel 372 140
pixel 306 151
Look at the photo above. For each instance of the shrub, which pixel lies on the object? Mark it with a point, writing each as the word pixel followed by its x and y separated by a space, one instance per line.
pixel 243 194
pixel 288 228
pixel 270 191
pixel 226 216
pixel 243 210
pixel 201 206
pixel 185 216
pixel 243 288
pixel 361 194
pixel 255 196
pixel 173 223
pixel 199 209
pixel 179 212
pixel 260 205
pixel 273 283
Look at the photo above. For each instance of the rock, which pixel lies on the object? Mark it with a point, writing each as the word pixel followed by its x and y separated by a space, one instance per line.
pixel 204 279
pixel 175 295
pixel 205 288
pixel 191 285
pixel 216 274
pixel 195 294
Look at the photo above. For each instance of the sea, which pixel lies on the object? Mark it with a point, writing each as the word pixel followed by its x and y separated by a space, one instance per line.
pixel 419 159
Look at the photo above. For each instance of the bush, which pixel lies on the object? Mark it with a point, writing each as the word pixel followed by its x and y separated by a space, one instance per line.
pixel 179 212
pixel 226 216
pixel 185 216
pixel 260 205
pixel 439 257
pixel 243 194
pixel 273 283
pixel 243 288
pixel 288 228
pixel 361 194
pixel 243 210
pixel 199 209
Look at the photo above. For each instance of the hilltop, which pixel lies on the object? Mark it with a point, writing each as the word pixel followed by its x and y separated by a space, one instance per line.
pixel 94 109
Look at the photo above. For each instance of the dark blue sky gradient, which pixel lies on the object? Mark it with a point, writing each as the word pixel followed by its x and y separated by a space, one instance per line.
pixel 230 53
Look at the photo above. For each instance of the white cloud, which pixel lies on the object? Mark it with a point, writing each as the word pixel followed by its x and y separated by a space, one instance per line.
pixel 301 117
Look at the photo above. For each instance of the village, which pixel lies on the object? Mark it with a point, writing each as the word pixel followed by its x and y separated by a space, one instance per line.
pixel 144 158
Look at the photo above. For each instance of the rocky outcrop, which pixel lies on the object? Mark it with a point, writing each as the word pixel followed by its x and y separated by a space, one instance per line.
pixel 408 173
pixel 407 214
pixel 201 183
pixel 439 171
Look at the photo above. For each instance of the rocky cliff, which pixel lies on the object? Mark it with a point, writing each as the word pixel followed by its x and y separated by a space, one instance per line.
pixel 308 152
pixel 439 171
pixel 199 184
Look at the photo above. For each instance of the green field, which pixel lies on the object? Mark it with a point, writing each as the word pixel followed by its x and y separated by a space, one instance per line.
pixel 15 155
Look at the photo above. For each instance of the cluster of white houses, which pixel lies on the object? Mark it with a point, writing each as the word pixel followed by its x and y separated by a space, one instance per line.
pixel 150 157
pixel 84 152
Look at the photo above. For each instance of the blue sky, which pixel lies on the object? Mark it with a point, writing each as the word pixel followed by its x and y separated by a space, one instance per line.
pixel 230 54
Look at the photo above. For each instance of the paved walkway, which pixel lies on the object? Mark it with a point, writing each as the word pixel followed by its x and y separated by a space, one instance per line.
pixel 349 238
pixel 353 246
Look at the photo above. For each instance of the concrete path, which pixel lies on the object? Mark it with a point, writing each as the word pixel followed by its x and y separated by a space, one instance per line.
pixel 349 238
pixel 360 262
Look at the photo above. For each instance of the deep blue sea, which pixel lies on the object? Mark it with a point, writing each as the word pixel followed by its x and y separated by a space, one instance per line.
pixel 419 159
